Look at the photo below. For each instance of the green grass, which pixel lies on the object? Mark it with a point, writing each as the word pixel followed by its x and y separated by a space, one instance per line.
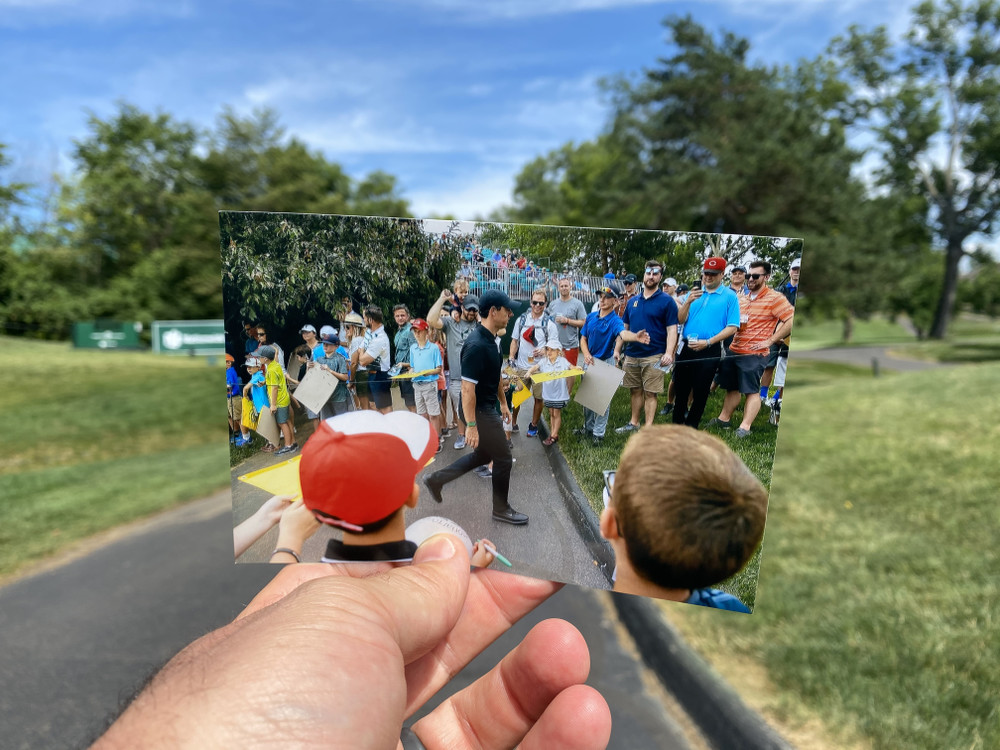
pixel 821 334
pixel 588 462
pixel 102 438
pixel 880 591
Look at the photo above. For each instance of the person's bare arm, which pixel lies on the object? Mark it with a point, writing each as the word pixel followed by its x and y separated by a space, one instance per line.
pixel 434 314
pixel 469 408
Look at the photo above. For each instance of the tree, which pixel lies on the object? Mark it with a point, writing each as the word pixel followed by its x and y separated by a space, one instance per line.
pixel 934 103
pixel 285 268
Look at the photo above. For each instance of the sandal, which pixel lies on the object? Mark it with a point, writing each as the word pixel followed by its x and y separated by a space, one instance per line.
pixel 550 440
pixel 268 448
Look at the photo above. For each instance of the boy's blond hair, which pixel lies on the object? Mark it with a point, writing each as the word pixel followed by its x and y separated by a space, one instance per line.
pixel 460 285
pixel 689 511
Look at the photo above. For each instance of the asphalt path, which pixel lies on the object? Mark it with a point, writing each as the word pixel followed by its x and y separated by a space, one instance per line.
pixel 862 356
pixel 549 546
pixel 79 638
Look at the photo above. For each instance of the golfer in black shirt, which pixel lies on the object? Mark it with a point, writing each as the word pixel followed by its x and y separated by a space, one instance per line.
pixel 481 396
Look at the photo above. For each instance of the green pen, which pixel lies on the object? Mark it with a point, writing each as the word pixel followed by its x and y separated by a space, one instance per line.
pixel 493 551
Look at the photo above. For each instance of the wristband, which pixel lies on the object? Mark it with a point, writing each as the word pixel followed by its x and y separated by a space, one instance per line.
pixel 470 424
pixel 291 552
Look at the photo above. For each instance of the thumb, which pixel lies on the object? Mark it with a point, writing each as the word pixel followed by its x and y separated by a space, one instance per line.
pixel 420 604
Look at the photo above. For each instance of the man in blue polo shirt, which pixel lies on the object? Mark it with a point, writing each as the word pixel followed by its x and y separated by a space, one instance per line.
pixel 645 364
pixel 710 315
pixel 597 341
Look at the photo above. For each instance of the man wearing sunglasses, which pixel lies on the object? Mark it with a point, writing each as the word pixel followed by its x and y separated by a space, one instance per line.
pixel 531 331
pixel 710 315
pixel 645 364
pixel 765 319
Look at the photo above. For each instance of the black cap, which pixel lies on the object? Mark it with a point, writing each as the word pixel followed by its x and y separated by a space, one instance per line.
pixel 608 291
pixel 682 288
pixel 737 268
pixel 630 279
pixel 493 298
pixel 471 302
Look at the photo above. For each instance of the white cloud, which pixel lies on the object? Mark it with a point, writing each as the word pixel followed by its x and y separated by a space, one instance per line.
pixel 518 9
pixel 471 196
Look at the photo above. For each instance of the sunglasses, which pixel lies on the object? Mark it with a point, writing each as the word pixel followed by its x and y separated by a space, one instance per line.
pixel 609 479
pixel 654 271
pixel 756 276
pixel 711 273
pixel 536 304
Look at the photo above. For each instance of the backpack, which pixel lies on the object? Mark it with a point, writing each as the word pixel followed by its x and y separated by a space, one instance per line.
pixel 519 326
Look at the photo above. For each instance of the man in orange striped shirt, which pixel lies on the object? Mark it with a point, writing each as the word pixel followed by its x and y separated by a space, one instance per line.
pixel 765 319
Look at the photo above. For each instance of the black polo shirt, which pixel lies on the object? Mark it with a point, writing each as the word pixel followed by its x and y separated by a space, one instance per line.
pixel 481 362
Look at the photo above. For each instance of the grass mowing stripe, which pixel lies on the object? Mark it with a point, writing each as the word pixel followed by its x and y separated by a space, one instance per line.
pixel 46 509
pixel 879 596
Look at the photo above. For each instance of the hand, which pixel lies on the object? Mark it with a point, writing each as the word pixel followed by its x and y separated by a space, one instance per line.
pixel 695 294
pixel 642 336
pixel 539 351
pixel 481 557
pixel 505 414
pixel 339 655
pixel 588 360
pixel 297 524
pixel 562 319
pixel 697 346
pixel 310 365
pixel 273 408
pixel 666 359
pixel 446 294
pixel 274 507
pixel 472 436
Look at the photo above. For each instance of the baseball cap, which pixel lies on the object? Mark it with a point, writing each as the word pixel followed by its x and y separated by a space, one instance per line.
pixel 715 263
pixel 419 324
pixel 734 269
pixel 553 344
pixel 230 357
pixel 630 278
pixel 267 352
pixel 609 292
pixel 471 302
pixel 307 327
pixel 330 338
pixel 797 263
pixel 326 331
pixel 683 288
pixel 494 298
pixel 670 281
pixel 336 472
pixel 252 362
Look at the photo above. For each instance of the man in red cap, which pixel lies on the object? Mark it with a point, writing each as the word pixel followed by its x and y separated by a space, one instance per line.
pixel 765 319
pixel 710 315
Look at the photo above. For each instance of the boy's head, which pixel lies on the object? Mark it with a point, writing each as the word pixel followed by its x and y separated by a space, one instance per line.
pixel 266 353
pixel 330 343
pixel 358 469
pixel 230 360
pixel 553 349
pixel 252 364
pixel 692 529
pixel 419 327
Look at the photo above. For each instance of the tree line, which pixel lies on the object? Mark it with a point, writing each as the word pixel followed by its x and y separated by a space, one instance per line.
pixel 705 140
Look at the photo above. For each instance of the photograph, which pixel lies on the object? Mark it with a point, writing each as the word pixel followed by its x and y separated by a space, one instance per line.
pixel 400 376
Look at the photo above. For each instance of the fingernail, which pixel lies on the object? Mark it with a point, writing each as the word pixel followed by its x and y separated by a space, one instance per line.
pixel 438 547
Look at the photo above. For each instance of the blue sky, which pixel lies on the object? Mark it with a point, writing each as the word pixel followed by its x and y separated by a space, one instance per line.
pixel 452 97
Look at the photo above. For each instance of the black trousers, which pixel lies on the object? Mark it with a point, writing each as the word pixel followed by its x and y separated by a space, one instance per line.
pixel 492 447
pixel 693 373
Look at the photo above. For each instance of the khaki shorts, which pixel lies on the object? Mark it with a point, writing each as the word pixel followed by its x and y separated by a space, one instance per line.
pixel 642 372
pixel 236 408
pixel 536 389
pixel 426 399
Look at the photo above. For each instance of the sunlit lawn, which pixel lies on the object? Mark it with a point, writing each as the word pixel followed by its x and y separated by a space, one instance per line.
pixel 880 587
pixel 99 438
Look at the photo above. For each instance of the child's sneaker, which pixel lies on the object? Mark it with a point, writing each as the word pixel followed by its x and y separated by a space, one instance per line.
pixel 532 430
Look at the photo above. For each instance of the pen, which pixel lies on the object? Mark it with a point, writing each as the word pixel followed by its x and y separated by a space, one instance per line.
pixel 493 551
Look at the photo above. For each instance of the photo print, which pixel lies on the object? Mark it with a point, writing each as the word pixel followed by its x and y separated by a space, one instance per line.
pixel 592 406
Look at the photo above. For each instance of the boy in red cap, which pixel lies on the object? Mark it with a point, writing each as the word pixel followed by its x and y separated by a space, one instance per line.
pixel 341 489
